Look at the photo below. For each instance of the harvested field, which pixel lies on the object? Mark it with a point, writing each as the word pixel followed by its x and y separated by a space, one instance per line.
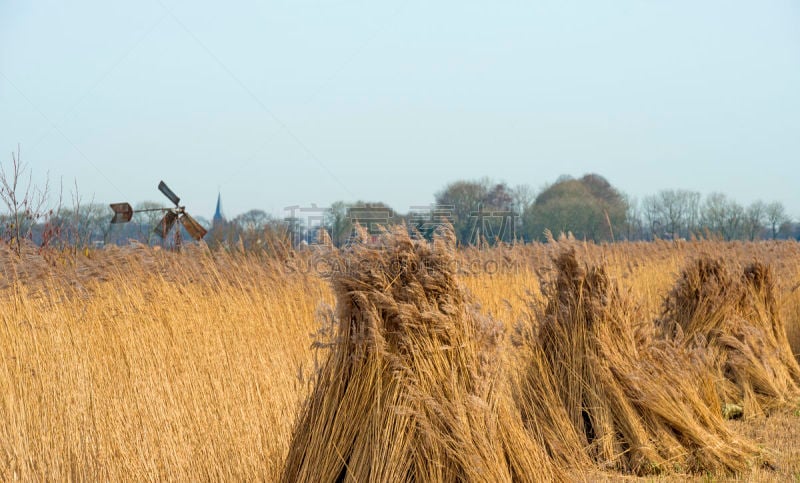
pixel 549 361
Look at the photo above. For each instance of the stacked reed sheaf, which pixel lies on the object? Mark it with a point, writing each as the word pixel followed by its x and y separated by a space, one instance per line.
pixel 413 389
pixel 615 395
pixel 736 317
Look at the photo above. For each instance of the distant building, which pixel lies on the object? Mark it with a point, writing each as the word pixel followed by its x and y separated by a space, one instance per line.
pixel 219 218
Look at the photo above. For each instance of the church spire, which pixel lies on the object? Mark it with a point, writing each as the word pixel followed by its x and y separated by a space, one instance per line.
pixel 218 216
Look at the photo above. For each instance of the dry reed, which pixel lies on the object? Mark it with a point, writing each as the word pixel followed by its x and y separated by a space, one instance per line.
pixel 413 389
pixel 140 364
pixel 628 402
pixel 738 319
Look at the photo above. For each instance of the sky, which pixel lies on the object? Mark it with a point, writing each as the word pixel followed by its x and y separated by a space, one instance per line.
pixel 294 102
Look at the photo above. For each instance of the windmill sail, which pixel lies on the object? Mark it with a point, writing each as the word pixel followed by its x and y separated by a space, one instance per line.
pixel 123 212
pixel 165 225
pixel 162 187
pixel 193 227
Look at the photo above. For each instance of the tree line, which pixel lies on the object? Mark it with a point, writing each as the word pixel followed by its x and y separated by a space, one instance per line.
pixel 487 212
pixel 590 208
pixel 481 212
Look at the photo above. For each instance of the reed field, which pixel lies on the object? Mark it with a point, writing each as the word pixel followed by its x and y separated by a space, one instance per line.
pixel 403 360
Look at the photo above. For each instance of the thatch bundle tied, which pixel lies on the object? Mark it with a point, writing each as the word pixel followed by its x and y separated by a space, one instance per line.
pixel 736 318
pixel 412 390
pixel 630 403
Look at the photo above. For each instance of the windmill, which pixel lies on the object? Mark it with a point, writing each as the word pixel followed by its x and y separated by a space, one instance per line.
pixel 123 212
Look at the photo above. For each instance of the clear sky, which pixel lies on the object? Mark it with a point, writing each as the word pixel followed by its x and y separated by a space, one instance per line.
pixel 278 103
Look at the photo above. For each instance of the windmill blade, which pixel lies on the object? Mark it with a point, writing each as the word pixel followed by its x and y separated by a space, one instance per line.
pixel 166 224
pixel 162 187
pixel 123 212
pixel 193 227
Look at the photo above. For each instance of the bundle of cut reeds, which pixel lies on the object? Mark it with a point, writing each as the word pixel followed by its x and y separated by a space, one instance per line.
pixel 629 402
pixel 736 317
pixel 413 388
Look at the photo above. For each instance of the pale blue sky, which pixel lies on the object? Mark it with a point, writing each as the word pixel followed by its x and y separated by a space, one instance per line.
pixel 297 101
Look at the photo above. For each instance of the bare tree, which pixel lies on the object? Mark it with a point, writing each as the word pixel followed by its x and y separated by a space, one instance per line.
pixel 522 196
pixel 78 227
pixel 734 221
pixel 754 219
pixel 253 220
pixel 675 213
pixel 52 232
pixel 25 202
pixel 776 216
pixel 634 224
pixel 715 213
pixel 251 227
